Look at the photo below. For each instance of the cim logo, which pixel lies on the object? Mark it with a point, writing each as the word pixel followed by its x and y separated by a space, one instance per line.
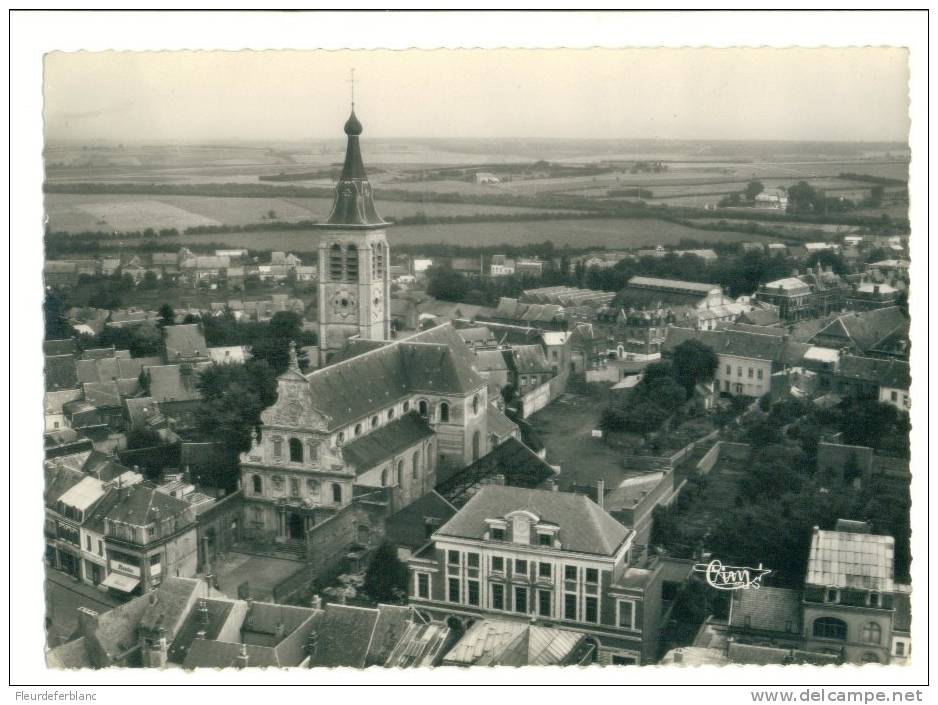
pixel 728 577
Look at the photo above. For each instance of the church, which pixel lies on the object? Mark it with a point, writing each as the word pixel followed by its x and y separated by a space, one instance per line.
pixel 379 417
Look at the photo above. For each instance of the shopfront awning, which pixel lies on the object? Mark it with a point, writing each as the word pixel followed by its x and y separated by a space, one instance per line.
pixel 124 583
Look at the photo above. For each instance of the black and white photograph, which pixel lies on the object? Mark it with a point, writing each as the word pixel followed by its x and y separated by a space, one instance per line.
pixel 425 361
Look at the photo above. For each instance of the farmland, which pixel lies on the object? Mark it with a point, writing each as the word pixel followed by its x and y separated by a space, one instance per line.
pixel 129 212
pixel 594 232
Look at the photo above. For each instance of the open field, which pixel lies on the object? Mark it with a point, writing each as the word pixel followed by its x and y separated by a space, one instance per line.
pixel 594 232
pixel 130 212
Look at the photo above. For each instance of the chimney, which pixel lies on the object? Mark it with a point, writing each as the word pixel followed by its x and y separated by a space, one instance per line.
pixel 279 631
pixel 242 660
pixel 678 656
pixel 316 602
pixel 600 492
pixel 498 479
pixel 87 621
pixel 203 612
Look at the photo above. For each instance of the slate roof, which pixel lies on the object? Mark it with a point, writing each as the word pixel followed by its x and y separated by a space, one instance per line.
pixel 53 401
pixel 408 527
pixel 499 425
pixel 167 383
pixel 436 361
pixel 142 410
pixel 74 654
pixel 102 394
pixel 790 285
pixel 60 478
pixel 184 341
pixel 144 504
pixel 849 560
pixel 490 361
pixel 758 346
pixel 519 465
pixel 389 440
pixel 210 621
pixel 205 653
pixel 527 359
pixel 867 328
pixel 884 373
pixel 478 335
pixel 584 526
pixel 768 609
pixel 393 622
pixel 673 284
pixel 501 642
pixel 66 346
pixel 344 636
pixel 60 372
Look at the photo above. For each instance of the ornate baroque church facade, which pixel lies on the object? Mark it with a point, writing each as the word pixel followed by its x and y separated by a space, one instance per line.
pixel 381 417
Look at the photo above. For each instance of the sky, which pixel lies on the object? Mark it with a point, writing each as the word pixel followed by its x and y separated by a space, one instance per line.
pixel 856 94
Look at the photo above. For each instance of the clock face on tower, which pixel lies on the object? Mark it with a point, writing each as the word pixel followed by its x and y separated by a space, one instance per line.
pixel 344 304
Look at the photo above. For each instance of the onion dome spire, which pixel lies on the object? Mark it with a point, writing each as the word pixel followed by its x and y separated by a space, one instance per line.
pixel 354 205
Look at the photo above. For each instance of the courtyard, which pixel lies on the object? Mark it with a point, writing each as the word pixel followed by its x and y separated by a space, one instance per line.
pixel 261 573
pixel 565 428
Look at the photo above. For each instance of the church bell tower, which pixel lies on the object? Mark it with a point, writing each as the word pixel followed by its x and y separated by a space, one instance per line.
pixel 354 265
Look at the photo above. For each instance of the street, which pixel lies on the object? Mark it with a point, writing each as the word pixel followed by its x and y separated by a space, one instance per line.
pixel 63 598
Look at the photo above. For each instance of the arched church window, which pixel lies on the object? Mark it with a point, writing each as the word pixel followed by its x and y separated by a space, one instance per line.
pixel 400 473
pixel 257 485
pixel 424 408
pixel 415 471
pixel 444 412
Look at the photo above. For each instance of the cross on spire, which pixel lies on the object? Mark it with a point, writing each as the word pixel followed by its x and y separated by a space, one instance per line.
pixel 351 82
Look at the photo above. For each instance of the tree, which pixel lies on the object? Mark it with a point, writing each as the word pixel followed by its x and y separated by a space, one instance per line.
pixel 386 576
pixel 272 342
pixel 233 398
pixel 143 438
pixel 444 283
pixel 753 189
pixel 150 280
pixel 802 198
pixel 57 326
pixel 167 315
pixel 694 362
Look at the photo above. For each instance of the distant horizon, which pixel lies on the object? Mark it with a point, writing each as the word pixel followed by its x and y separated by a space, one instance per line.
pixel 788 95
pixel 508 138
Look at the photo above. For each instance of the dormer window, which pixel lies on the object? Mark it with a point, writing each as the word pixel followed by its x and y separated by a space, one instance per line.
pixel 545 539
pixel 874 599
pixel 497 534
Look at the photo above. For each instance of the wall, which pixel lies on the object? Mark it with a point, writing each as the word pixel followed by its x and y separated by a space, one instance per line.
pixel 543 395
pixel 328 542
pixel 219 527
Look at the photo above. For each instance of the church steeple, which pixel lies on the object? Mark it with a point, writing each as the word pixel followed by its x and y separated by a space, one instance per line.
pixel 354 205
